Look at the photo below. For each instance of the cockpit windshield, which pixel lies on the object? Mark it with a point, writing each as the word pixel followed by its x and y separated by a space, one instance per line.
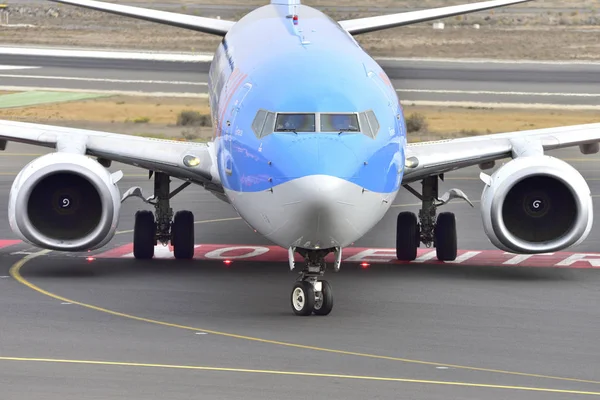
pixel 267 122
pixel 295 123
pixel 339 123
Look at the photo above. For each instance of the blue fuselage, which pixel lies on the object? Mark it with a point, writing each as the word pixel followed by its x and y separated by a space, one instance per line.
pixel 315 188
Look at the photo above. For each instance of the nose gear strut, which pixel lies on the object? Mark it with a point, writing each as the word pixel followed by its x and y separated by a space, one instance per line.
pixel 310 294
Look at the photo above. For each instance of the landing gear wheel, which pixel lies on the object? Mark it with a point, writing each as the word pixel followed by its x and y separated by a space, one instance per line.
pixel 324 300
pixel 303 298
pixel 445 237
pixel 182 235
pixel 407 236
pixel 143 235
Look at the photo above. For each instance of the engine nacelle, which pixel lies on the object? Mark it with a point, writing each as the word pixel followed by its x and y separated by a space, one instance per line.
pixel 65 202
pixel 536 205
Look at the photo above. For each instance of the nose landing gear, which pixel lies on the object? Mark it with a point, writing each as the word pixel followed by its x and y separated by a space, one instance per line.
pixel 311 295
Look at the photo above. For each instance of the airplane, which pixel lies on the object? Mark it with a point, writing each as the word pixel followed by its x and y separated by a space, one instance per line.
pixel 310 149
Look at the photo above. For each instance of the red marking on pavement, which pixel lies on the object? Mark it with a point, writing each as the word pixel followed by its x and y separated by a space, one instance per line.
pixel 7 243
pixel 368 256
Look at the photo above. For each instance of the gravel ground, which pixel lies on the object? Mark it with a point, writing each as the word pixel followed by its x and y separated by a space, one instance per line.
pixel 542 30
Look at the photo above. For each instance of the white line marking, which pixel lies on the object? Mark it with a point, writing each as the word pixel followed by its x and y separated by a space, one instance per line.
pixel 22 253
pixel 73 78
pixel 441 367
pixel 115 92
pixel 487 61
pixel 65 303
pixel 119 55
pixel 9 67
pixel 495 93
pixel 4 277
pixel 206 57
pixel 465 104
pixel 201 333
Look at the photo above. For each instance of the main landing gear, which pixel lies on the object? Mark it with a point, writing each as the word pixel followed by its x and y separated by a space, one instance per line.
pixel 148 231
pixel 310 294
pixel 440 232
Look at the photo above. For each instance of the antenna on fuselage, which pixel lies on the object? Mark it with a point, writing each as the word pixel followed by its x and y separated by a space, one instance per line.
pixel 292 5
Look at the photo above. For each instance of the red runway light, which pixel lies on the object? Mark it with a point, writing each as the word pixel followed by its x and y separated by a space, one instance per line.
pixel 90 259
pixel 227 262
pixel 365 265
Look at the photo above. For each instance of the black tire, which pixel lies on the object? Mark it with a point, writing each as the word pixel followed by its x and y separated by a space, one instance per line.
pixel 144 231
pixel 182 235
pixel 303 298
pixel 327 304
pixel 445 237
pixel 407 236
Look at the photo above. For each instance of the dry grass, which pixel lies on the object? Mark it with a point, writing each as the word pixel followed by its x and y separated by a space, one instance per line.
pixel 455 121
pixel 118 109
pixel 118 114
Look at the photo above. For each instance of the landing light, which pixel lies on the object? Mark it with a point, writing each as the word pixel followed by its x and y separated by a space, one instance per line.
pixel 191 161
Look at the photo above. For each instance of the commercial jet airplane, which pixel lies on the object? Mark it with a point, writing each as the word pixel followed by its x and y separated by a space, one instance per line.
pixel 310 149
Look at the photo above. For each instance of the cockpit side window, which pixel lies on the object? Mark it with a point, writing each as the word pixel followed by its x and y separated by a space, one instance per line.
pixel 259 122
pixel 339 123
pixel 263 123
pixel 373 122
pixel 295 123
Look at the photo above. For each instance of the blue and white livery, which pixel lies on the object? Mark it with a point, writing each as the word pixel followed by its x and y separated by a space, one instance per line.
pixel 310 148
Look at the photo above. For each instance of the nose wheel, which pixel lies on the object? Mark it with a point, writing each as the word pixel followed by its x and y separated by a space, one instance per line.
pixel 309 294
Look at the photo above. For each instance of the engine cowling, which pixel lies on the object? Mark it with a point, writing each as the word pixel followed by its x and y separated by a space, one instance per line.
pixel 66 202
pixel 536 205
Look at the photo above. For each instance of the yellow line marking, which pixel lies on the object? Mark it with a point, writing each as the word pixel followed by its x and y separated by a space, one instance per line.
pixel 16 274
pixel 294 373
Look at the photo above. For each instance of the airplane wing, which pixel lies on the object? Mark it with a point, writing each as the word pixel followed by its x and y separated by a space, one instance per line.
pixel 201 24
pixel 370 24
pixel 438 157
pixel 152 154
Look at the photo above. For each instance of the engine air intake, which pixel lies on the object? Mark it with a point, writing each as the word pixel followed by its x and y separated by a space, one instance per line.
pixel 65 206
pixel 539 209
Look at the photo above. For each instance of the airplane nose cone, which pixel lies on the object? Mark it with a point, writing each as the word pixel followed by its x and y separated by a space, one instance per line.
pixel 324 211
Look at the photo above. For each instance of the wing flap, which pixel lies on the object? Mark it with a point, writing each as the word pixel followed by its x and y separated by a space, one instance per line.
pixel 438 157
pixel 370 24
pixel 201 24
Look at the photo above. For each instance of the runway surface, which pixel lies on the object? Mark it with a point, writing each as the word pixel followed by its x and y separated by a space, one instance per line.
pixel 425 81
pixel 116 328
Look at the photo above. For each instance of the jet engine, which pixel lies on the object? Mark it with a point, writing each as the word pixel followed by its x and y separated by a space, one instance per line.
pixel 536 205
pixel 66 202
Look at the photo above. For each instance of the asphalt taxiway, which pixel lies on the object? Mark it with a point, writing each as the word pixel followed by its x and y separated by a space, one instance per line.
pixel 520 84
pixel 119 328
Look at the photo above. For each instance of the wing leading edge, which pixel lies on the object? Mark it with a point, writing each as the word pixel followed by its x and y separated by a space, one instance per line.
pixel 152 154
pixel 438 157
pixel 371 24
pixel 201 24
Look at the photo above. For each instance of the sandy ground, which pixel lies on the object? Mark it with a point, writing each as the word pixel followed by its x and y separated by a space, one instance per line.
pixel 119 113
pixel 548 30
